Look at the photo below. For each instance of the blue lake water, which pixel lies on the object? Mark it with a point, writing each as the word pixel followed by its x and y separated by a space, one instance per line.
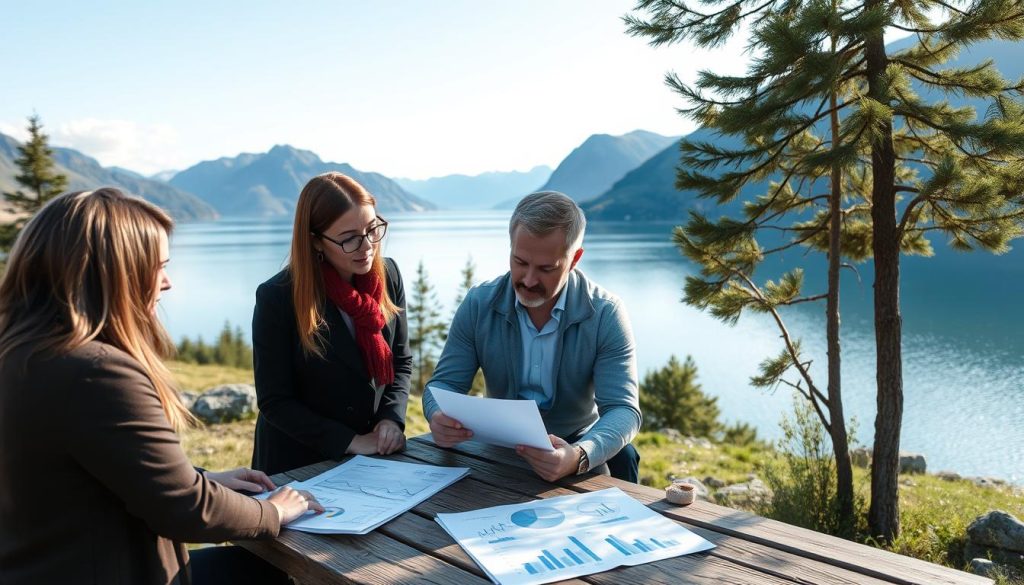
pixel 963 327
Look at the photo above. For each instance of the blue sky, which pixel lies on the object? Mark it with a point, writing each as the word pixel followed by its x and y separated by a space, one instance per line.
pixel 405 88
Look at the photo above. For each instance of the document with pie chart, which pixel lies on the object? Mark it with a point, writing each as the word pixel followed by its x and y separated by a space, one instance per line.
pixel 569 536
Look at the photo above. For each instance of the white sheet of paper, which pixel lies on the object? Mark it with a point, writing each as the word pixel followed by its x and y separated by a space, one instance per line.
pixel 568 536
pixel 363 493
pixel 496 421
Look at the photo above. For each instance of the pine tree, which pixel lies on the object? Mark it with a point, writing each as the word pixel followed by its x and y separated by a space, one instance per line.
pixel 425 326
pixel 823 99
pixel 672 398
pixel 37 175
pixel 468 281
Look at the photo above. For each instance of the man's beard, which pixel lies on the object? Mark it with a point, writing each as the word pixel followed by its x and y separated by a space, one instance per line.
pixel 531 303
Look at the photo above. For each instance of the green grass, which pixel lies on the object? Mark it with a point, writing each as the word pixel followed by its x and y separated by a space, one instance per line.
pixel 934 513
pixel 196 378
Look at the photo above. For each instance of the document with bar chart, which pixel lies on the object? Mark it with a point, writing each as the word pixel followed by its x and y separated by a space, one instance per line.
pixel 569 536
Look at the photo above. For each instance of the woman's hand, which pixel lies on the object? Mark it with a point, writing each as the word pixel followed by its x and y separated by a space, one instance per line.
pixel 363 444
pixel 242 479
pixel 292 504
pixel 390 437
pixel 385 439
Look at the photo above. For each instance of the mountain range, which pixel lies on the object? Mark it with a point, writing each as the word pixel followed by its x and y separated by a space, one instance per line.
pixel 482 191
pixel 268 184
pixel 84 172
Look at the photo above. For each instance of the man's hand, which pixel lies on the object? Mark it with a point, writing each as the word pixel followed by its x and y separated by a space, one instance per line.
pixel 551 465
pixel 447 431
pixel 390 437
pixel 364 444
pixel 242 479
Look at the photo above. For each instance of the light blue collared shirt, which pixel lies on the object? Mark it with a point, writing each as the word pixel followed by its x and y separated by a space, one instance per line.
pixel 539 353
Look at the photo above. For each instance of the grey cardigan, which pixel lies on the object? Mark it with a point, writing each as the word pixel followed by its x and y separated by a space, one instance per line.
pixel 595 369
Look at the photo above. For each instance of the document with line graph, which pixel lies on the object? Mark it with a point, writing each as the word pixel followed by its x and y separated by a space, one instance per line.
pixel 363 493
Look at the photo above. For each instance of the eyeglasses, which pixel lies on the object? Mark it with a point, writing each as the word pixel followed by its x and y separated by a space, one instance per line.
pixel 374 233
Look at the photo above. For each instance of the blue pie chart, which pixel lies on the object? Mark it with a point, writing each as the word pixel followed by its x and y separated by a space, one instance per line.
pixel 538 518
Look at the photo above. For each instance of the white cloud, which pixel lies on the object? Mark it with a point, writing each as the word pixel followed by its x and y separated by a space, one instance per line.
pixel 144 148
pixel 15 131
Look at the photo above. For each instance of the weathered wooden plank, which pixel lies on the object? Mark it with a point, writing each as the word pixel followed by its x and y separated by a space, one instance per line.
pixel 368 558
pixel 806 543
pixel 743 552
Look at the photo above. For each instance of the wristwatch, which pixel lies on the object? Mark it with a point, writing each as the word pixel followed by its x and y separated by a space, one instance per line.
pixel 584 465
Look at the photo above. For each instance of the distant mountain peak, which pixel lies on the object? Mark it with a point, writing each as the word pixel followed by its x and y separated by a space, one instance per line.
pixel 594 166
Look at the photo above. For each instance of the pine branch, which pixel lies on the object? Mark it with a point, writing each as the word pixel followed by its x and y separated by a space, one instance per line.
pixel 950 7
pixel 936 78
pixel 662 33
pixel 810 398
pixel 779 146
pixel 804 373
pixel 801 300
pixel 946 131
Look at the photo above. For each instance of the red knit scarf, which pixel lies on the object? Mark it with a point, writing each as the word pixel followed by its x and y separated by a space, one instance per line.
pixel 361 303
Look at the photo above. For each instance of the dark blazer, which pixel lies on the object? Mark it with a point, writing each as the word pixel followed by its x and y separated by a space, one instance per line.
pixel 310 407
pixel 94 485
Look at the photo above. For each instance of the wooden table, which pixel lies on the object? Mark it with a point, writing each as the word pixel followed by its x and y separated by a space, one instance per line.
pixel 413 548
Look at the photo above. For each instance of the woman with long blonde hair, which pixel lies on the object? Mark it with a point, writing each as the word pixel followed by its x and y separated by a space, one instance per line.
pixel 330 341
pixel 94 484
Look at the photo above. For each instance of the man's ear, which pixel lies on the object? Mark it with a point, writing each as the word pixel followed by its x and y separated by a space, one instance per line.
pixel 576 258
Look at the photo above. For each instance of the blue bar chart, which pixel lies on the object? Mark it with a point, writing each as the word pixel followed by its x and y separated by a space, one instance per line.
pixel 553 559
pixel 639 546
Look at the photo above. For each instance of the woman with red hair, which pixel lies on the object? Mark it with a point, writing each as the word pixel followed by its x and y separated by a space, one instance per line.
pixel 330 341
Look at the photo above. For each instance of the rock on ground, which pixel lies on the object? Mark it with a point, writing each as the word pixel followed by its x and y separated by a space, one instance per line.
pixel 912 463
pixel 226 403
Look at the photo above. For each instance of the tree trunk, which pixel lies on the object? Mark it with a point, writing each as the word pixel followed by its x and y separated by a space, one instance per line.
pixel 883 516
pixel 840 441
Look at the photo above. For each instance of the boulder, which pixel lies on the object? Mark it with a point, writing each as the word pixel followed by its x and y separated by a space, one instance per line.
pixel 226 403
pixel 754 492
pixel 188 398
pixel 714 482
pixel 913 463
pixel 1004 559
pixel 861 457
pixel 987 482
pixel 997 529
pixel 702 442
pixel 671 434
pixel 948 476
pixel 983 567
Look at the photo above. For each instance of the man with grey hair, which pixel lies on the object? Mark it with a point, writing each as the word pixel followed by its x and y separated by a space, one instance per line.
pixel 544 332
